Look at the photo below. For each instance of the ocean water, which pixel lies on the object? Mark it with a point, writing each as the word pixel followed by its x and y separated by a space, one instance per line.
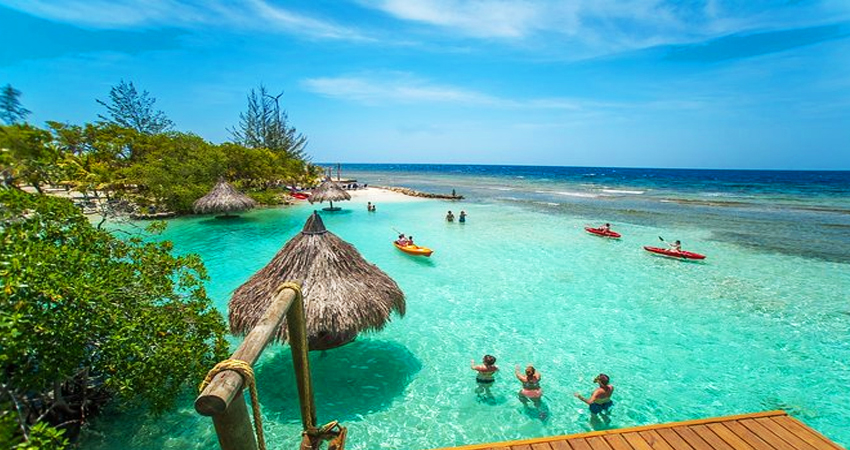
pixel 761 324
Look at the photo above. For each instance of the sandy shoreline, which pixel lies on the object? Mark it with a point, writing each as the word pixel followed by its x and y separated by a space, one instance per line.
pixel 380 195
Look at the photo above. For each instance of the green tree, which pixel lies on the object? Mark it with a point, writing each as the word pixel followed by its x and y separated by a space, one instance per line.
pixel 176 170
pixel 27 155
pixel 86 317
pixel 130 109
pixel 265 125
pixel 11 110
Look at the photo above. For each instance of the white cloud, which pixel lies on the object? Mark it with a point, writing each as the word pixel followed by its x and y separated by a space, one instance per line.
pixel 593 27
pixel 131 14
pixel 404 88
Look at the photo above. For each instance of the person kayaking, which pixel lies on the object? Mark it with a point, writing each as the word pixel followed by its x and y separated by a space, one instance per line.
pixel 410 240
pixel 676 246
pixel 402 241
pixel 530 385
pixel 486 371
pixel 450 217
pixel 462 217
pixel 600 400
pixel 605 228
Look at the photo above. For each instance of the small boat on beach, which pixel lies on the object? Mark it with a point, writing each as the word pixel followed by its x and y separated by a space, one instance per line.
pixel 414 249
pixel 678 254
pixel 300 195
pixel 603 233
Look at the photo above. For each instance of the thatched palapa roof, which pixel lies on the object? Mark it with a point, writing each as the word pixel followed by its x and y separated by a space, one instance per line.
pixel 329 191
pixel 223 198
pixel 343 293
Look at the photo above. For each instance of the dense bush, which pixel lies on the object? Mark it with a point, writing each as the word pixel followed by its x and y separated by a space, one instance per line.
pixel 86 317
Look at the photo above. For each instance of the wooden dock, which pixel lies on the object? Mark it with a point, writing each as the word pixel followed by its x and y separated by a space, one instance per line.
pixel 760 431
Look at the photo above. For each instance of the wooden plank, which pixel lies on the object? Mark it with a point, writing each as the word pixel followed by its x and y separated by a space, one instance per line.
pixel 560 445
pixel 747 435
pixel 541 446
pixel 617 442
pixel 598 443
pixel 655 440
pixel 727 435
pixel 709 420
pixel 807 434
pixel 691 437
pixel 636 441
pixel 674 439
pixel 521 447
pixel 766 435
pixel 786 435
pixel 579 444
pixel 711 437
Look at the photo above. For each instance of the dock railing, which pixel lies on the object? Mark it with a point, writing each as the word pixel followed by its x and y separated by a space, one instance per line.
pixel 222 398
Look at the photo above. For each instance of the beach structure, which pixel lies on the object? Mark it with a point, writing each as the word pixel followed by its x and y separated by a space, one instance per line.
pixel 343 293
pixel 329 191
pixel 223 199
pixel 770 430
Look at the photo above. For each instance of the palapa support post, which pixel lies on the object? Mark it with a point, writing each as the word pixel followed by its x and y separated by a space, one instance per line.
pixel 222 398
pixel 296 325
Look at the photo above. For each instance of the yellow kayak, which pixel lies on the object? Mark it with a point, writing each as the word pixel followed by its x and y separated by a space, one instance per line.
pixel 414 249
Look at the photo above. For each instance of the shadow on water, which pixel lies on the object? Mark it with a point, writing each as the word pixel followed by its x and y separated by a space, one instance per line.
pixel 228 221
pixel 336 212
pixel 356 379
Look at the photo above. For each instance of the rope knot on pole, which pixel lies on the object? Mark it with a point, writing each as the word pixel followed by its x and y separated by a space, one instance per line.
pixel 247 372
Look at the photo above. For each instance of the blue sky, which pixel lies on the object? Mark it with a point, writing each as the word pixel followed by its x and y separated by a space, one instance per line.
pixel 635 83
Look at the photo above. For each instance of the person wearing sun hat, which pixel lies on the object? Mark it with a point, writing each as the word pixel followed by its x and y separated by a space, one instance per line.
pixel 600 400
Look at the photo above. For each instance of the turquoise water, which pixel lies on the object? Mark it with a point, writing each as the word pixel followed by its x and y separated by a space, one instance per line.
pixel 747 330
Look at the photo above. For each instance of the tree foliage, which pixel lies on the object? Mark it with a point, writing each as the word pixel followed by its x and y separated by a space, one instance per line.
pixel 86 317
pixel 265 125
pixel 130 109
pixel 27 153
pixel 11 110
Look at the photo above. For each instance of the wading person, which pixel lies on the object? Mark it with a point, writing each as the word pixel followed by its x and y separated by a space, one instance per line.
pixel 600 399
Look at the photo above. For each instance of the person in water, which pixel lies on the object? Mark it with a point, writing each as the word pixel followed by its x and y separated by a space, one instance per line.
pixel 450 217
pixel 372 208
pixel 462 217
pixel 530 386
pixel 600 400
pixel 402 240
pixel 485 376
pixel 369 206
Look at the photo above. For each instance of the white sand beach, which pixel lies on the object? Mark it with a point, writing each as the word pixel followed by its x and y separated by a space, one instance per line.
pixel 379 195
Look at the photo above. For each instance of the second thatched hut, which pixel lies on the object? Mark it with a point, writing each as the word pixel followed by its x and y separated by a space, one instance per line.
pixel 223 199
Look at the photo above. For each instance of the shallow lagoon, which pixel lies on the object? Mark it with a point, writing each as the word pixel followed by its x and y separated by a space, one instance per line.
pixel 745 331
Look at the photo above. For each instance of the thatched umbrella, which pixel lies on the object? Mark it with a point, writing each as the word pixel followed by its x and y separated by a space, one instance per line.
pixel 223 198
pixel 343 293
pixel 329 191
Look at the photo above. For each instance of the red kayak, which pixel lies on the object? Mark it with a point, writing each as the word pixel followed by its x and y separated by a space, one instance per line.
pixel 300 195
pixel 603 233
pixel 674 254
